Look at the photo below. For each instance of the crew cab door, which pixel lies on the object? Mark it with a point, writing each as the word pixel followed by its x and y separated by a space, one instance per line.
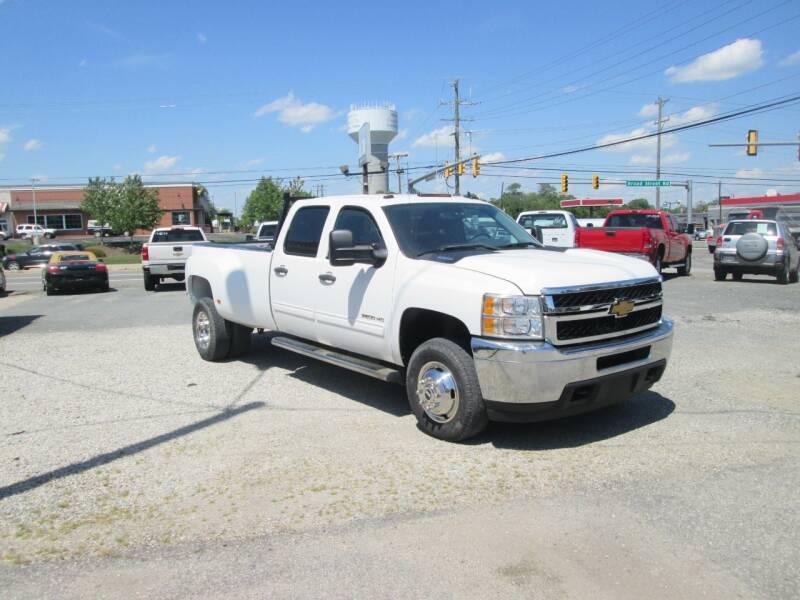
pixel 353 302
pixel 294 279
pixel 676 241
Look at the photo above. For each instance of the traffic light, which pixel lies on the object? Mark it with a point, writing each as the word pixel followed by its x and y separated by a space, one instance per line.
pixel 596 182
pixel 448 170
pixel 460 167
pixel 476 167
pixel 752 142
pixel 564 183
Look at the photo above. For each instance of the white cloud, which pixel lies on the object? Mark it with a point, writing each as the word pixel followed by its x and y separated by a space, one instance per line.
pixel 727 62
pixel 402 134
pixel 152 148
pixel 196 171
pixel 5 135
pixel 32 144
pixel 291 111
pixel 492 157
pixel 438 137
pixel 649 110
pixel 696 113
pixel 570 89
pixel 750 173
pixel 645 145
pixel 791 60
pixel 675 158
pixel 118 167
pixel 253 163
pixel 201 38
pixel 2 156
pixel 161 163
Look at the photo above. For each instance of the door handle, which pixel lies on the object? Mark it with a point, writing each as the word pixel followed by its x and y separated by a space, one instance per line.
pixel 327 278
pixel 281 271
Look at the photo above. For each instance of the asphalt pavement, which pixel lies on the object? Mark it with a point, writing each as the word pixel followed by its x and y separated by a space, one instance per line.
pixel 131 468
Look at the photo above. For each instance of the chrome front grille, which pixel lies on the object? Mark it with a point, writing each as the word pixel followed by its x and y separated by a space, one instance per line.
pixel 584 314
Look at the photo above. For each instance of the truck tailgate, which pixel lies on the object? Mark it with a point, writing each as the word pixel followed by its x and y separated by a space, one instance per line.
pixel 169 252
pixel 613 239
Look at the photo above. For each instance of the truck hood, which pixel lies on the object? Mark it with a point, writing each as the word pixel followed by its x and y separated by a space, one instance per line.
pixel 532 270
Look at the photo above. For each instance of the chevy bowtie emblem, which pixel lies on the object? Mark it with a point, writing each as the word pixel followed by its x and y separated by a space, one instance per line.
pixel 621 308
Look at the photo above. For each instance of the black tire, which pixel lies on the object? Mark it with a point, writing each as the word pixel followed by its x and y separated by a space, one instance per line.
pixel 736 276
pixel 105 287
pixel 783 274
pixel 149 281
pixel 687 268
pixel 659 264
pixel 240 337
pixel 794 276
pixel 711 249
pixel 720 274
pixel 468 417
pixel 206 320
pixel 49 290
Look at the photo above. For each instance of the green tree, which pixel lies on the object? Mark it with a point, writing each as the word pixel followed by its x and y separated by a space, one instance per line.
pixel 136 207
pixel 639 203
pixel 264 202
pixel 99 200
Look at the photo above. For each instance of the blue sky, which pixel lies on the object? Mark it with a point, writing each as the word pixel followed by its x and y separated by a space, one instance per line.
pixel 228 91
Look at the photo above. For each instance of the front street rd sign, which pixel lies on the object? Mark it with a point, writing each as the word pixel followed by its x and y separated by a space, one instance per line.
pixel 648 183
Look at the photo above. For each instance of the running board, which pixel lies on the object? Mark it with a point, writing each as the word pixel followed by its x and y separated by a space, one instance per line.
pixel 359 365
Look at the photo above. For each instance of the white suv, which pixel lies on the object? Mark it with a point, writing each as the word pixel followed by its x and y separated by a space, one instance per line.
pixel 29 230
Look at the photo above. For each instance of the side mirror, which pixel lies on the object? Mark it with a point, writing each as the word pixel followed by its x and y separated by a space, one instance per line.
pixel 342 251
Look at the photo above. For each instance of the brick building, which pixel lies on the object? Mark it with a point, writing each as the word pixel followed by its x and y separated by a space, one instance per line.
pixel 59 207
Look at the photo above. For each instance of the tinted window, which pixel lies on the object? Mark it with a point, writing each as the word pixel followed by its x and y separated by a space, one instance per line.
pixel 363 226
pixel 305 231
pixel 267 231
pixel 743 227
pixel 178 235
pixel 544 221
pixel 634 220
pixel 71 257
pixel 421 228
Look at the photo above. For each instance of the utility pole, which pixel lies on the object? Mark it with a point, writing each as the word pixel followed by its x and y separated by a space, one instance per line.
pixel 35 218
pixel 719 200
pixel 397 156
pixel 235 204
pixel 660 124
pixel 457 102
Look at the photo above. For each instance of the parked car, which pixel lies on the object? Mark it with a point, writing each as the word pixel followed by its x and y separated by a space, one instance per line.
pixel 26 231
pixel 74 270
pixel 760 247
pixel 266 231
pixel 480 323
pixel 94 228
pixel 165 254
pixel 551 227
pixel 652 235
pixel 36 256
pixel 4 235
pixel 711 240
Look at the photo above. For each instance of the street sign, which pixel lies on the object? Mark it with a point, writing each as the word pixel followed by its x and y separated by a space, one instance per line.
pixel 648 183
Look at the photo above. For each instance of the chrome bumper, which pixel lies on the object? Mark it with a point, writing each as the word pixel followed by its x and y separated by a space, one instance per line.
pixel 538 372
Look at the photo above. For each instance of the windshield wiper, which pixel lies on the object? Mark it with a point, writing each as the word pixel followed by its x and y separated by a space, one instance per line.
pixel 447 247
pixel 520 245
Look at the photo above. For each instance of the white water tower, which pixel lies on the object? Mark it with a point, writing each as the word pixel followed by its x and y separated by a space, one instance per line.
pixel 373 127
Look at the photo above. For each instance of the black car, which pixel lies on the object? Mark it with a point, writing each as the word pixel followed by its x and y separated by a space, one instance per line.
pixel 74 271
pixel 36 256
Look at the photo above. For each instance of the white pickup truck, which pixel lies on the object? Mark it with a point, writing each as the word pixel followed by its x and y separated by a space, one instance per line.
pixel 166 252
pixel 448 296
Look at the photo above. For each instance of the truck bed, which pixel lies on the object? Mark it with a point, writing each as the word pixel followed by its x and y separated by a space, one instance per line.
pixel 614 239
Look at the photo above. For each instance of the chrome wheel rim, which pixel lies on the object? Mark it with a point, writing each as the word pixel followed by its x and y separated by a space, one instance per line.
pixel 13 266
pixel 437 392
pixel 202 330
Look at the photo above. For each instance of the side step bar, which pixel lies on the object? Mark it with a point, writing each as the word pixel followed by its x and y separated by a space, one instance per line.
pixel 359 365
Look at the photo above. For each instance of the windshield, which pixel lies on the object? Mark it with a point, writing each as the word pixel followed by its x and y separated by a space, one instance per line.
pixel 543 221
pixel 178 235
pixel 421 228
pixel 267 231
pixel 634 220
pixel 74 257
pixel 744 227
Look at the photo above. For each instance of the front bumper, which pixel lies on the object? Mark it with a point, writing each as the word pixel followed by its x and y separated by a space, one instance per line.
pixel 526 381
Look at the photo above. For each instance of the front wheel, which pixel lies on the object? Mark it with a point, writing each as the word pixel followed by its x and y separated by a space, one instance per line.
pixel 210 334
pixel 443 391
pixel 720 274
pixel 658 266
pixel 13 266
pixel 687 265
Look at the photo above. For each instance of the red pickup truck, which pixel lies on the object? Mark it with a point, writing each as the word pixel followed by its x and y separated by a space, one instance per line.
pixel 649 234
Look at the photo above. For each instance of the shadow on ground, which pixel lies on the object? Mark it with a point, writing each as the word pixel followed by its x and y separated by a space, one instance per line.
pixel 9 325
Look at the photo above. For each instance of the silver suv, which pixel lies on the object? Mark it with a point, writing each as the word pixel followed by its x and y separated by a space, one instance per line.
pixel 757 246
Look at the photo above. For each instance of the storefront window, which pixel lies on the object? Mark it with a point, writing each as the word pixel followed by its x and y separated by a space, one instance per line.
pixel 73 221
pixel 54 221
pixel 180 217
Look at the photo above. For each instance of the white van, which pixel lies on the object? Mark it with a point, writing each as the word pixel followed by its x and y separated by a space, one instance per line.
pixel 557 227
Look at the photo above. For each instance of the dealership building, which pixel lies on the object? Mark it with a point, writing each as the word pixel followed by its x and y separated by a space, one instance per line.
pixel 59 207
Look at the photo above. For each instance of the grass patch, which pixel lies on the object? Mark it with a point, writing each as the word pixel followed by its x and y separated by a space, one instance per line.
pixel 123 259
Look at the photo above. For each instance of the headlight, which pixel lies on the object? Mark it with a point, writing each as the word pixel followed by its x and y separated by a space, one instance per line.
pixel 512 316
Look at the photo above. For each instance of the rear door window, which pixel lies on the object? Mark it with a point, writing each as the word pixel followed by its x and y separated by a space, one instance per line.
pixel 635 220
pixel 305 231
pixel 745 227
pixel 178 235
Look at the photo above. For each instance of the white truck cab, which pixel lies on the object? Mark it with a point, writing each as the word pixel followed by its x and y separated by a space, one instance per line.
pixel 449 296
pixel 556 227
pixel 165 254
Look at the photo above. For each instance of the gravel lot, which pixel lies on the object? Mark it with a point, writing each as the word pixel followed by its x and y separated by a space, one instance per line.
pixel 132 468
